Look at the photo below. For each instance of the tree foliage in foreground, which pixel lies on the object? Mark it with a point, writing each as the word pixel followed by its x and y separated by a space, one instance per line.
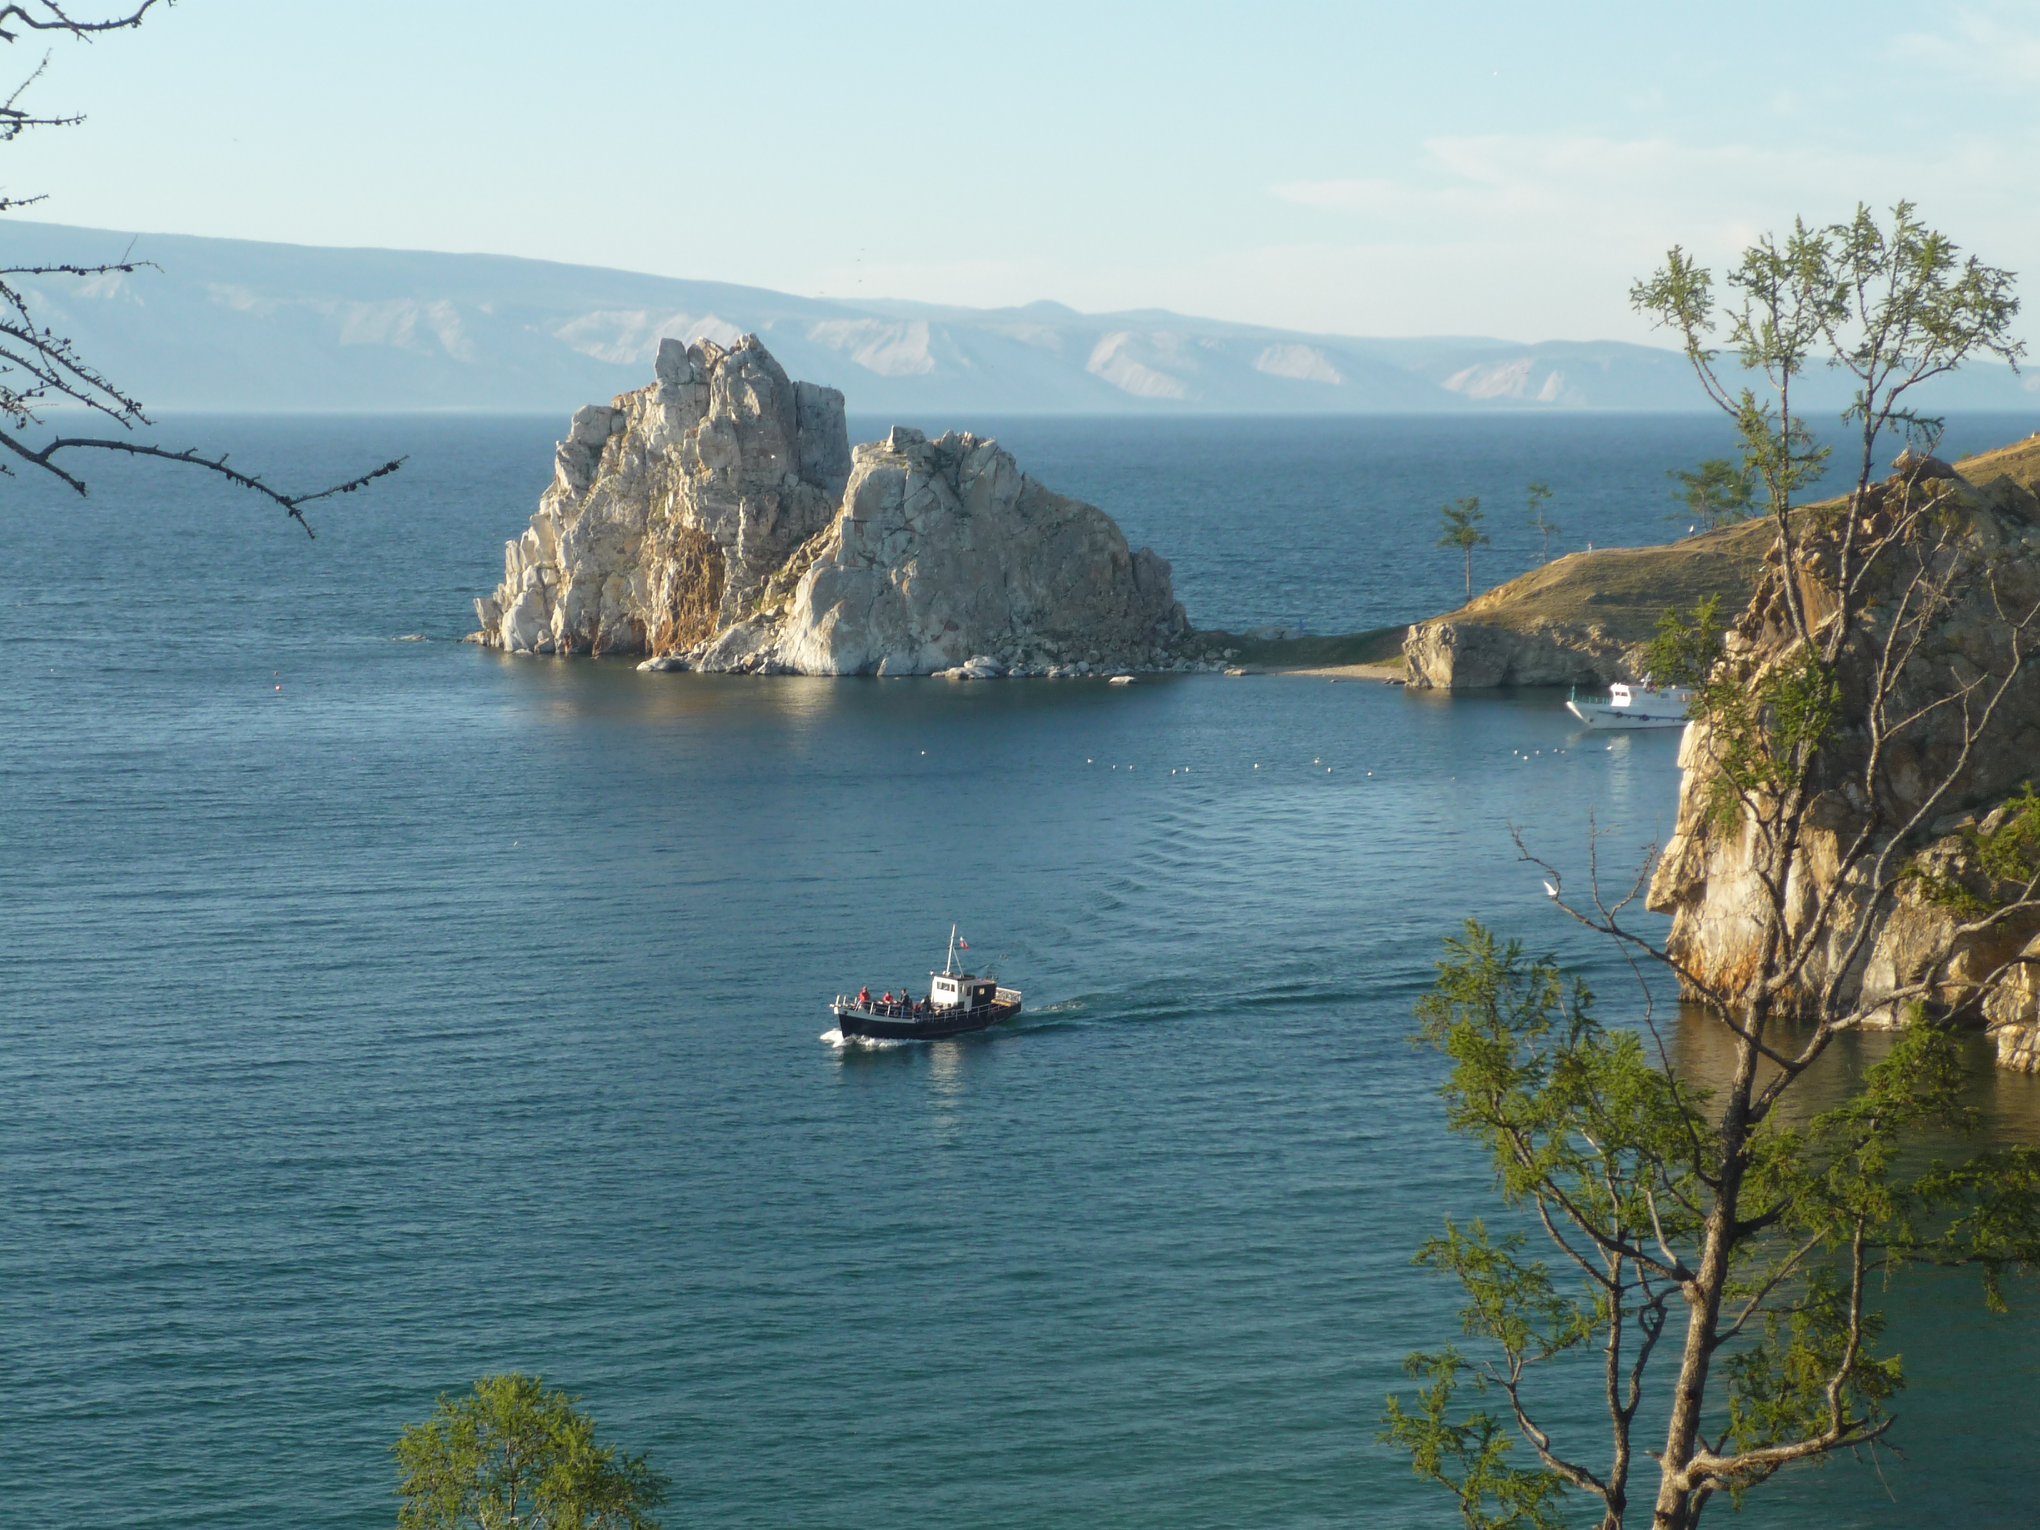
pixel 1618 1163
pixel 1707 1261
pixel 512 1454
pixel 39 368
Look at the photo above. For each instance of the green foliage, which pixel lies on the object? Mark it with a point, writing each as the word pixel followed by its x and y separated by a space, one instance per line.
pixel 2007 855
pixel 2010 852
pixel 1533 1070
pixel 1581 1127
pixel 1765 733
pixel 1462 530
pixel 1759 1231
pixel 1686 647
pixel 1469 1455
pixel 1618 1159
pixel 1905 303
pixel 514 1454
pixel 1947 892
pixel 1718 492
pixel 1539 495
pixel 1892 307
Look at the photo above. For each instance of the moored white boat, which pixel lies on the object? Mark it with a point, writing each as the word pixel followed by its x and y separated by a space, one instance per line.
pixel 1637 706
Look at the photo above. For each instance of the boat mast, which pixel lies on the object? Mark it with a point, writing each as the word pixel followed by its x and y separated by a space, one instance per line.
pixel 949 966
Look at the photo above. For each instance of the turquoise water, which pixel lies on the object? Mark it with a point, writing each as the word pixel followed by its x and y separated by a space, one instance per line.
pixel 375 1014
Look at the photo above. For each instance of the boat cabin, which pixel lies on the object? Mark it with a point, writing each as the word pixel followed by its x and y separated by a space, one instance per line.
pixel 959 990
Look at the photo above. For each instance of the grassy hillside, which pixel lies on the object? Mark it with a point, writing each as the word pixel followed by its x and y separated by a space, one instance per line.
pixel 1624 590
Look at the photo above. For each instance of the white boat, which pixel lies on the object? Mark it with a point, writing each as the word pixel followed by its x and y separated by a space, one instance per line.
pixel 1637 706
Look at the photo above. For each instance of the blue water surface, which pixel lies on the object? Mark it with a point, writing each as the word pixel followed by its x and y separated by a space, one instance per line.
pixel 376 1013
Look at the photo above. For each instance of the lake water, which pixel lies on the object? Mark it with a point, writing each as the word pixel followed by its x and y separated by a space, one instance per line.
pixel 376 1013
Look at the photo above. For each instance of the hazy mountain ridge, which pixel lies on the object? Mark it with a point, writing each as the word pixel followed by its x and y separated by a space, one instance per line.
pixel 238 325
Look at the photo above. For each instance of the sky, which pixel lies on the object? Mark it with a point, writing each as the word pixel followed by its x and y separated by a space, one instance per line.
pixel 1448 167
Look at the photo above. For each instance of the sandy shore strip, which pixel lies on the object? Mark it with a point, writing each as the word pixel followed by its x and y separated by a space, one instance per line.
pixel 1383 670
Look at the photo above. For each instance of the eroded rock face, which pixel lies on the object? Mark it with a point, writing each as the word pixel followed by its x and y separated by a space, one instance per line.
pixel 1707 879
pixel 945 551
pixel 716 521
pixel 1447 654
pixel 671 507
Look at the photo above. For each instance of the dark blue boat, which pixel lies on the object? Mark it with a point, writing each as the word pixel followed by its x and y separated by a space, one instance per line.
pixel 957 1003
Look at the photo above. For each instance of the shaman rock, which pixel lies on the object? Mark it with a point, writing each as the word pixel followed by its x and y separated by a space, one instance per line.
pixel 671 507
pixel 716 521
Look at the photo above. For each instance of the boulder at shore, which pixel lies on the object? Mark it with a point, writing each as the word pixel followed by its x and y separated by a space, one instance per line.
pixel 717 520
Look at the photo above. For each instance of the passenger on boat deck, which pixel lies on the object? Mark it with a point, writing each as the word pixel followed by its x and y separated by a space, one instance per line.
pixel 864 998
pixel 887 1000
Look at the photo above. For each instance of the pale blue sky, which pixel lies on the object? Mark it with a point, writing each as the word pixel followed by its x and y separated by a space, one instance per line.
pixel 1368 169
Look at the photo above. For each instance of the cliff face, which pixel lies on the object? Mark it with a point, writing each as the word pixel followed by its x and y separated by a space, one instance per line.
pixel 1464 653
pixel 716 521
pixel 670 508
pixel 945 550
pixel 1983 546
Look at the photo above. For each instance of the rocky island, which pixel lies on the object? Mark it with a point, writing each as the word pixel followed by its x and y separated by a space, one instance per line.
pixel 718 520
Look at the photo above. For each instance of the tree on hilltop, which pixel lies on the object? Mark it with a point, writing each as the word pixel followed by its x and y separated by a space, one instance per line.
pixel 1462 530
pixel 1718 492
pixel 1539 495
pixel 512 1454
pixel 40 369
pixel 1704 1256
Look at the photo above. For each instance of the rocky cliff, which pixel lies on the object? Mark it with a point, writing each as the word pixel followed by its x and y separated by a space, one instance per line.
pixel 1582 619
pixel 671 507
pixel 1974 844
pixel 718 520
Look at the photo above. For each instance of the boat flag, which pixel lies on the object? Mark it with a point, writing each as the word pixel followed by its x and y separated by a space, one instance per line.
pixel 962 944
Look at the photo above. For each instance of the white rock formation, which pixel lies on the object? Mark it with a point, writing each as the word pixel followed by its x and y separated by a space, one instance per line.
pixel 671 507
pixel 945 551
pixel 715 521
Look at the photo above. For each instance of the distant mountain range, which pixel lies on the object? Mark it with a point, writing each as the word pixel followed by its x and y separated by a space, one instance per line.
pixel 234 325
